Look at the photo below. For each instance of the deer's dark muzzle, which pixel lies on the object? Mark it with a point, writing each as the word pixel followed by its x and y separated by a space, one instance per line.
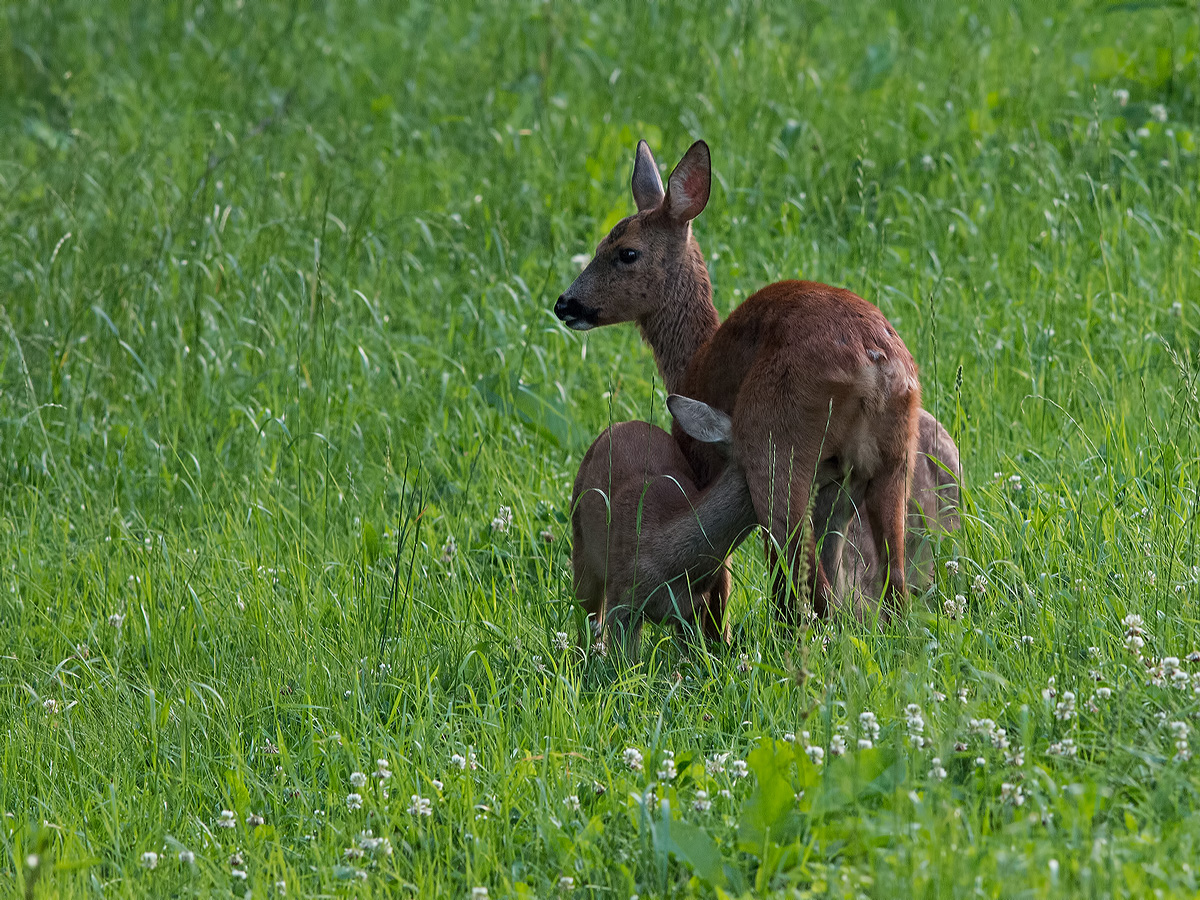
pixel 574 314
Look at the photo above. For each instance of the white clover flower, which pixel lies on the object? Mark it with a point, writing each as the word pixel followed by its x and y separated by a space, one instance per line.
pixel 1050 690
pixel 566 883
pixel 149 860
pixel 561 641
pixel 458 761
pixel 503 519
pixel 352 853
pixel 599 649
pixel 376 846
pixel 479 893
pixel 979 584
pixel 571 801
pixel 187 857
pixel 837 745
pixel 1027 640
pixel 633 759
pixel 738 769
pixel 538 665
pixel 1121 96
pixel 281 888
pixel 1066 747
pixel 914 721
pixel 869 726
pixel 50 705
pixel 420 806
pixel 1104 693
pixel 116 620
pixel 1015 757
pixel 437 785
pixel 1064 710
pixel 666 770
pixel 952 567
pixel 254 820
pixel 239 874
pixel 983 727
pixel 1158 112
pixel 1014 482
pixel 354 801
pixel 963 693
pixel 1012 793
pixel 980 762
pixel 701 804
pixel 358 779
pixel 954 609
pixel 227 819
pixel 816 754
pixel 383 771
pixel 936 771
pixel 744 663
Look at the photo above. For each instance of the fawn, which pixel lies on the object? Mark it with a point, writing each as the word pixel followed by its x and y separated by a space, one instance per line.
pixel 851 559
pixel 822 392
pixel 646 541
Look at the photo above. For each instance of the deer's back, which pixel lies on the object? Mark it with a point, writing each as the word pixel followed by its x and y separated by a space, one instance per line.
pixel 631 465
pixel 807 347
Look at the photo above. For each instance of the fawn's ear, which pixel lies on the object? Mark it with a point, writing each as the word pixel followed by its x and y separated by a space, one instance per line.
pixel 688 186
pixel 647 185
pixel 701 421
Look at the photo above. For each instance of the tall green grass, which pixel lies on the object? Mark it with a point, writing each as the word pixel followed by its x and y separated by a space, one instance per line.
pixel 276 345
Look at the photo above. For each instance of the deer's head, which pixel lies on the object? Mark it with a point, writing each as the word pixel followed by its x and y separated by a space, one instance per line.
pixel 630 276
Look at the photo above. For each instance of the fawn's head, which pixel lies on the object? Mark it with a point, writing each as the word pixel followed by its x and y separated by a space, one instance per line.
pixel 630 276
pixel 705 423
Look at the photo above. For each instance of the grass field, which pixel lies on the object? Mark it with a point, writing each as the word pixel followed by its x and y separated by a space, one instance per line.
pixel 277 350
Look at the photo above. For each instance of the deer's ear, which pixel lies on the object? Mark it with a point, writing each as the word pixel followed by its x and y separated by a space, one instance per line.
pixel 688 186
pixel 701 421
pixel 647 185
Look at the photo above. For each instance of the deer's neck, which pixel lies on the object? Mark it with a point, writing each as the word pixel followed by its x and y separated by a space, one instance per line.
pixel 684 321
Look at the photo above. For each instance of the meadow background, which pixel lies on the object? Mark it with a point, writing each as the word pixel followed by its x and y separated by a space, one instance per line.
pixel 276 347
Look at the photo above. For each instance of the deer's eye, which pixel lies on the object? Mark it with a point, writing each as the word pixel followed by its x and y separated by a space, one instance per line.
pixel 627 255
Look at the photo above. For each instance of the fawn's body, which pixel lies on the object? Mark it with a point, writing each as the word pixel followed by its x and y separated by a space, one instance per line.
pixel 647 542
pixel 822 392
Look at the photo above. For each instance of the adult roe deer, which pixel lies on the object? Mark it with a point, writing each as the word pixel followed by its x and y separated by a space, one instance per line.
pixel 822 392
pixel 646 541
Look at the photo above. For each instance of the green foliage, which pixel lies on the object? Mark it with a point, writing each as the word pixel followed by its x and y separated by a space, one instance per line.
pixel 288 430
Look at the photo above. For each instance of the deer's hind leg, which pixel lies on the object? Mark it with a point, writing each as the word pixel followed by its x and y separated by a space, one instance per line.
pixel 886 504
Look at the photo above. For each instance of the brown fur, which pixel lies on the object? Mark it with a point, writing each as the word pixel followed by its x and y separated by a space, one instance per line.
pixel 647 542
pixel 822 391
pixel 852 561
